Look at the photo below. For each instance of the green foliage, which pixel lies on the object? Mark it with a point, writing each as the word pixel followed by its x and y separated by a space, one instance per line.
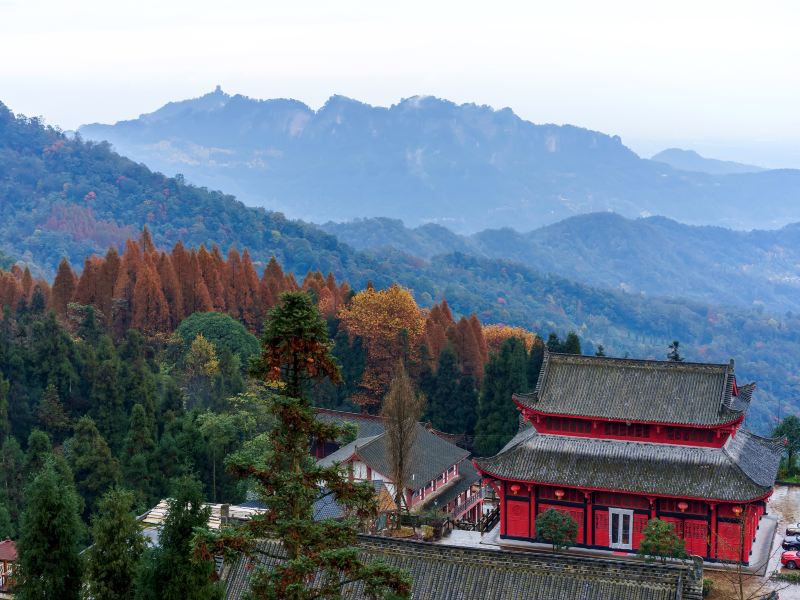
pixel 7 529
pixel 295 349
pixel 295 346
pixel 39 450
pixel 94 468
pixel 219 431
pixel 50 539
pixel 51 415
pixel 12 477
pixel 789 429
pixel 107 407
pixel 498 418
pixel 708 586
pixel 169 571
pixel 556 528
pixel 673 352
pixel 452 397
pixel 5 424
pixel 570 345
pixel 138 458
pixel 225 332
pixel 117 545
pixel 659 540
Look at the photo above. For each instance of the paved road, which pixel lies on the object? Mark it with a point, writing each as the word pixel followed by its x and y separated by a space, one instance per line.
pixel 784 504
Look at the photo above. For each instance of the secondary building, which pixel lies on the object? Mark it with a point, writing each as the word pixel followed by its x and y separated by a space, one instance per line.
pixel 438 476
pixel 616 442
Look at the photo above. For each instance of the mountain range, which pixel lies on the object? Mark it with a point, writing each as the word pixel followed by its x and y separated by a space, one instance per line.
pixel 654 256
pixel 62 196
pixel 428 160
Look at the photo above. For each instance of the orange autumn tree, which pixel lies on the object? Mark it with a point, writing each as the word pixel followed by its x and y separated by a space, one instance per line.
pixel 495 335
pixel 391 326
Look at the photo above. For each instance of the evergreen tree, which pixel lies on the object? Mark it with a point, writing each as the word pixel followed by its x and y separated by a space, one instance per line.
pixel 49 544
pixel 572 345
pixel 789 429
pixel 442 401
pixel 601 351
pixel 117 545
pixel 660 540
pixel 7 529
pixel 498 418
pixel 51 416
pixel 107 407
pixel 169 571
pixel 137 378
pixel 12 476
pixel 52 359
pixel 296 349
pixel 39 449
pixel 95 469
pixel 5 423
pixel 138 456
pixel 535 360
pixel 673 353
pixel 556 528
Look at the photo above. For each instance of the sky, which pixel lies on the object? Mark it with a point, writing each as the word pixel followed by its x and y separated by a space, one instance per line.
pixel 719 77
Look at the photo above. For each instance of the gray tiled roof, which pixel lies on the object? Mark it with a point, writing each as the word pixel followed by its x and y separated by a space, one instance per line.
pixel 345 452
pixel 637 390
pixel 368 425
pixel 441 572
pixel 430 457
pixel 743 469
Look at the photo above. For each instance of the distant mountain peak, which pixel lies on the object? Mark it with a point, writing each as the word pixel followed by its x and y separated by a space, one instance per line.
pixel 689 160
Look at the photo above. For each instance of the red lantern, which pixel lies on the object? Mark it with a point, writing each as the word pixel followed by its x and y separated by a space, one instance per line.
pixel 514 488
pixel 559 494
pixel 682 506
pixel 737 510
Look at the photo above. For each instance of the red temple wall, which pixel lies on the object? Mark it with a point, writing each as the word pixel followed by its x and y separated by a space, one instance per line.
pixel 620 430
pixel 522 503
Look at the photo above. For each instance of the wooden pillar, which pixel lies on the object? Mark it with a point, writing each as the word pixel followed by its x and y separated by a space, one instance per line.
pixel 534 508
pixel 652 507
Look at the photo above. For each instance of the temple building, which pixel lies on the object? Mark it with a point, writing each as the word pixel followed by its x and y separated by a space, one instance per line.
pixel 616 442
pixel 439 476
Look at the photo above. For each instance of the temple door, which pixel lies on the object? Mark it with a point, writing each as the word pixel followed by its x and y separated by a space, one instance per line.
pixel 518 517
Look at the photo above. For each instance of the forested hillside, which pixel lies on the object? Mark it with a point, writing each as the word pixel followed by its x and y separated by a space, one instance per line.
pixel 655 256
pixel 426 159
pixel 64 197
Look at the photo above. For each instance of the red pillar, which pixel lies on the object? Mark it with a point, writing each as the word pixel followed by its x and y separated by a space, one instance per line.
pixel 712 535
pixel 588 531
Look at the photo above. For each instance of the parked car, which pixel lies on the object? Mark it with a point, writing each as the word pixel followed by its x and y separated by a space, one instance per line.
pixel 791 542
pixel 793 529
pixel 790 559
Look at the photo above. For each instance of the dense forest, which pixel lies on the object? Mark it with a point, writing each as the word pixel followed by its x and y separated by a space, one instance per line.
pixel 63 197
pixel 136 370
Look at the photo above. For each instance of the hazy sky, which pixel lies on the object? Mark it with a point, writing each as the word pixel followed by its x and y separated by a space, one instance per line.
pixel 721 77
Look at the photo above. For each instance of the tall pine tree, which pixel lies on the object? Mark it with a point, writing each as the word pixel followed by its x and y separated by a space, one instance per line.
pixel 49 544
pixel 498 418
pixel 117 545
